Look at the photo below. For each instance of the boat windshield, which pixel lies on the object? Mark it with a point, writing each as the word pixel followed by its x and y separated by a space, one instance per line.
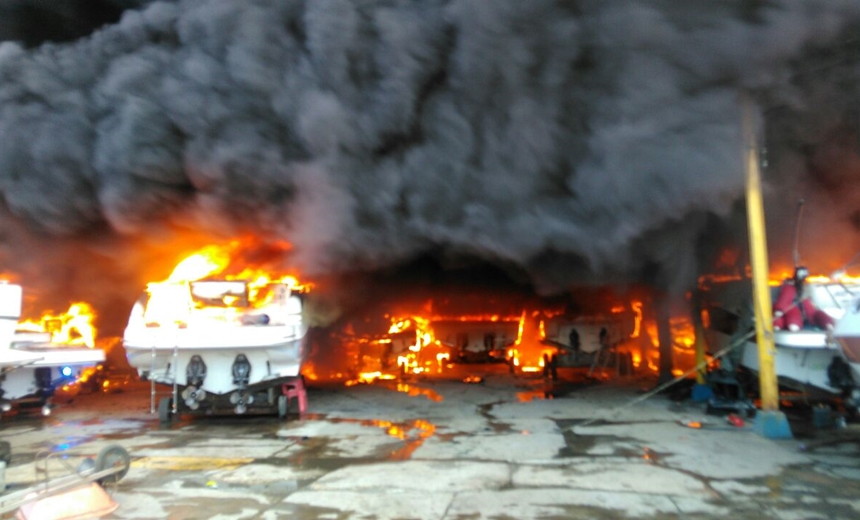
pixel 219 293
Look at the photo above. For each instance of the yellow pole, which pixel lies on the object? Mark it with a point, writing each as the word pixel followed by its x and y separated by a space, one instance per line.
pixel 758 260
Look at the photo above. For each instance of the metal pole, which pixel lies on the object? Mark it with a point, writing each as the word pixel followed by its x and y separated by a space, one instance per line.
pixel 759 263
pixel 175 373
pixel 152 381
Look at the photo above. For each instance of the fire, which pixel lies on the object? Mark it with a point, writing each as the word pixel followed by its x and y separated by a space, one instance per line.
pixel 73 327
pixel 637 323
pixel 235 261
pixel 415 359
pixel 683 337
pixel 413 342
pixel 209 260
pixel 244 261
pixel 528 353
pixel 369 377
pixel 776 278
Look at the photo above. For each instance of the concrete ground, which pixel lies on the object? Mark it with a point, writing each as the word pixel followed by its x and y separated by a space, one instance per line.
pixel 502 448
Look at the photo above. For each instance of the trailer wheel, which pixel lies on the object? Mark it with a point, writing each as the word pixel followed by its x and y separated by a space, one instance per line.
pixel 113 457
pixel 283 406
pixel 165 410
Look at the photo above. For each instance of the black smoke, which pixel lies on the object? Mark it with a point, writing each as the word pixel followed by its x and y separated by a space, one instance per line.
pixel 33 22
pixel 572 142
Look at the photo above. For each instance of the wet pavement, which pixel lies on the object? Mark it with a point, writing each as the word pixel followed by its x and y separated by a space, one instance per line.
pixel 504 448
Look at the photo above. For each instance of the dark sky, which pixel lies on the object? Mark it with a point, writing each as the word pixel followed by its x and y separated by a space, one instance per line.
pixel 563 142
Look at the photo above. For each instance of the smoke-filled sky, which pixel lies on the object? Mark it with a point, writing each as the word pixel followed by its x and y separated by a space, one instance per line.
pixel 569 141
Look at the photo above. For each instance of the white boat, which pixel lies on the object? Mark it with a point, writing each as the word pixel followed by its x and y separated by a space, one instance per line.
pixel 847 335
pixel 218 344
pixel 31 366
pixel 808 360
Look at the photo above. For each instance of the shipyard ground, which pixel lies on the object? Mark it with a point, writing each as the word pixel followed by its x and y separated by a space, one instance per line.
pixel 500 448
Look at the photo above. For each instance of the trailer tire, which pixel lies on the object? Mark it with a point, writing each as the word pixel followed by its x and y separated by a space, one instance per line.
pixel 165 410
pixel 113 457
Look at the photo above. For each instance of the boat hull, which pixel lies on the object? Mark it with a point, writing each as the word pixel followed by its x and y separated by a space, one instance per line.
pixel 847 335
pixel 41 371
pixel 808 359
pixel 801 362
pixel 273 353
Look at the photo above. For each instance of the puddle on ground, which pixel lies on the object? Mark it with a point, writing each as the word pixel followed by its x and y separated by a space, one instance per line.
pixel 578 445
pixel 551 389
pixel 412 435
pixel 493 424
pixel 531 395
pixel 281 487
pixel 413 391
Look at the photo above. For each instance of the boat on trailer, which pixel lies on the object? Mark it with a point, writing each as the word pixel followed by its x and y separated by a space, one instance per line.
pixel 32 367
pixel 847 335
pixel 218 345
pixel 810 360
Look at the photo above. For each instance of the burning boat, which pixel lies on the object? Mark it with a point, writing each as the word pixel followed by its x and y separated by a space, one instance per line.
pixel 547 340
pixel 218 341
pixel 38 358
pixel 808 358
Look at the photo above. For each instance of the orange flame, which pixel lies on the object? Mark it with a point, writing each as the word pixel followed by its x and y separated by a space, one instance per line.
pixel 209 260
pixel 73 327
pixel 423 355
pixel 171 302
pixel 528 352
pixel 637 326
pixel 232 262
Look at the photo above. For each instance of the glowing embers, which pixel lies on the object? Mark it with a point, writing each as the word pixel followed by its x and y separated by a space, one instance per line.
pixel 73 327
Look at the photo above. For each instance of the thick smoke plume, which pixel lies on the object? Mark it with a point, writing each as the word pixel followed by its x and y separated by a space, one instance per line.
pixel 571 141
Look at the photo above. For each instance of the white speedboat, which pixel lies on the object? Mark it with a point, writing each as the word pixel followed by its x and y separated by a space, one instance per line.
pixel 32 367
pixel 847 335
pixel 219 344
pixel 808 359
